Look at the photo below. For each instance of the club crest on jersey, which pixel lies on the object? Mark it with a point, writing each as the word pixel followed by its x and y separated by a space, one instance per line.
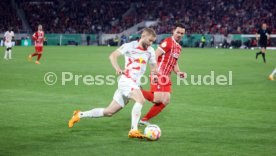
pixel 164 44
pixel 140 60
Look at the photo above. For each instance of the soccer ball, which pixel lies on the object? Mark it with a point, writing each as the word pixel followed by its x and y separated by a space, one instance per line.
pixel 152 132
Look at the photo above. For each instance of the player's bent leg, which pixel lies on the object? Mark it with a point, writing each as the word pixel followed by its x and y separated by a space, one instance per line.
pixel 113 108
pixel 161 99
pixel 137 96
pixel 38 57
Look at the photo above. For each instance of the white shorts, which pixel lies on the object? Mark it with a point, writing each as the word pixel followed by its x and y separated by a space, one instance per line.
pixel 8 44
pixel 125 86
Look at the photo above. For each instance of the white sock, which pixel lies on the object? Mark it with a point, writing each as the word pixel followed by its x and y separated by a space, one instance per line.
pixel 6 54
pixel 274 72
pixel 10 53
pixel 135 115
pixel 93 113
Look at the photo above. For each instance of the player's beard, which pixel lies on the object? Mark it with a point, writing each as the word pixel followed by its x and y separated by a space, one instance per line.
pixel 145 45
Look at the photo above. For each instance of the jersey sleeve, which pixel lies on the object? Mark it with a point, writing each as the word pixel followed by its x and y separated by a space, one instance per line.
pixel 152 59
pixel 165 45
pixel 34 36
pixel 124 48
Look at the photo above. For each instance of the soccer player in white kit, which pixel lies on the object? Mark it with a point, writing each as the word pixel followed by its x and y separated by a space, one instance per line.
pixel 8 36
pixel 137 55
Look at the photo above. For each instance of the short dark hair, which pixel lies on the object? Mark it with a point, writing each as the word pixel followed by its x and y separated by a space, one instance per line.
pixel 178 25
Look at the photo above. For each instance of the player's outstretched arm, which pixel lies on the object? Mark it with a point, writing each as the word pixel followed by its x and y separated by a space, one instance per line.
pixel 114 61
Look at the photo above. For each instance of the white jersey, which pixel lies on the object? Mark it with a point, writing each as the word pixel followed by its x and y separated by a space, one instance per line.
pixel 8 36
pixel 136 60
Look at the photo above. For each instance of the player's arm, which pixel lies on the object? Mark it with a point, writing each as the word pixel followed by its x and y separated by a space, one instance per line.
pixel 257 36
pixel 34 37
pixel 177 71
pixel 268 35
pixel 158 53
pixel 114 61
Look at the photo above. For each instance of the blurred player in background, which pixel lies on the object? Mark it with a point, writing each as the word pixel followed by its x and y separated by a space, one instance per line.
pixel 8 37
pixel 137 55
pixel 38 38
pixel 262 36
pixel 167 55
pixel 271 76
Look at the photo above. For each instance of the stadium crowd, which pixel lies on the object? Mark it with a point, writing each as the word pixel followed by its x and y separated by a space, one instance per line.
pixel 9 17
pixel 114 16
pixel 75 16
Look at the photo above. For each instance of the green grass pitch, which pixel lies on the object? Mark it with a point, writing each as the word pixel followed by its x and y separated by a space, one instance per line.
pixel 200 120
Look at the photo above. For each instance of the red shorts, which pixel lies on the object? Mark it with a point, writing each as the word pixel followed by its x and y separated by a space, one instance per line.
pixel 163 85
pixel 39 49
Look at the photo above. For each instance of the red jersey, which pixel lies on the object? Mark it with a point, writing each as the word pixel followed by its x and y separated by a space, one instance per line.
pixel 38 37
pixel 171 52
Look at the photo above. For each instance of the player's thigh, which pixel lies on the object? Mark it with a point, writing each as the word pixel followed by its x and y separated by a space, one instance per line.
pixel 137 96
pixel 39 50
pixel 163 97
pixel 263 49
pixel 113 108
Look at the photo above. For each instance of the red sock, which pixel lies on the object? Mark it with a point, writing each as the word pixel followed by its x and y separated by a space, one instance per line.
pixel 38 57
pixel 154 110
pixel 34 54
pixel 148 95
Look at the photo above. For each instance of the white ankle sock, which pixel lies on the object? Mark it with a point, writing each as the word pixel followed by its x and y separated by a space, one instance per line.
pixel 94 113
pixel 10 54
pixel 135 115
pixel 274 72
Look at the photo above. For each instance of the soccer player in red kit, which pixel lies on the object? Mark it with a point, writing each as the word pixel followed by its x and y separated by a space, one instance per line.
pixel 38 38
pixel 167 55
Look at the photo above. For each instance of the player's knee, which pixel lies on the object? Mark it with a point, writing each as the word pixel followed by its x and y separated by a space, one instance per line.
pixel 141 100
pixel 166 101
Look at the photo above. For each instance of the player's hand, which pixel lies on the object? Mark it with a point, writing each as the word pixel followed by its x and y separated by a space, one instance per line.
pixel 182 75
pixel 154 78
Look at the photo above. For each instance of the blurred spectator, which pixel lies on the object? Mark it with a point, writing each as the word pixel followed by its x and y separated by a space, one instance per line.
pixel 203 41
pixel 88 38
pixel 9 17
pixel 115 16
